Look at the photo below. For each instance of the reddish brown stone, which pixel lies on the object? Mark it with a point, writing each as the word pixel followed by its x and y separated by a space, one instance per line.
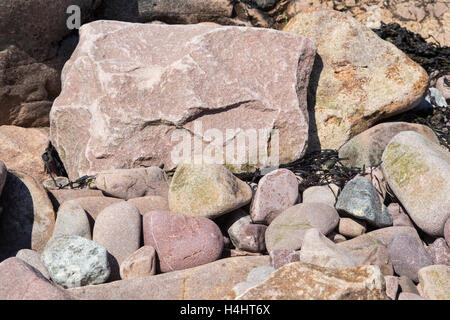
pixel 280 257
pixel 20 281
pixel 399 217
pixel 439 251
pixel 181 241
pixel 150 203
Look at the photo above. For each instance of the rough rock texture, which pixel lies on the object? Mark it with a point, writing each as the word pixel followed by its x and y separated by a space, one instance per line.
pixel 391 286
pixel 33 258
pixel 211 281
pixel 133 183
pixel 439 252
pixel 280 257
pixel 247 236
pixel 34 45
pixel 443 87
pixel 321 251
pixel 351 228
pixel 399 217
pixel 146 204
pixel 288 229
pixel 434 282
pixel 277 191
pixel 74 261
pixel 360 199
pixel 408 256
pixel 207 191
pixel 28 219
pixel 418 172
pixel 118 228
pixel 358 78
pixel 254 278
pixel 22 149
pixel 298 281
pixel 218 77
pixel 367 147
pixel 20 281
pixel 71 220
pixel 324 194
pixel 139 264
pixel 407 285
pixel 184 11
pixel 181 241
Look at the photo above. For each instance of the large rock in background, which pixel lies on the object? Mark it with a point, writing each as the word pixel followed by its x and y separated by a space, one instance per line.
pixel 418 172
pixel 128 87
pixel 34 44
pixel 22 148
pixel 28 219
pixel 357 79
pixel 429 18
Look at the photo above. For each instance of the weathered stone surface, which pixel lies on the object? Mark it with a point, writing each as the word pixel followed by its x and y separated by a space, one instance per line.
pixel 375 175
pixel 288 229
pixel 376 256
pixel 360 199
pixel 439 252
pixel 367 147
pixel 351 228
pixel 182 241
pixel 443 87
pixel 118 228
pixel 71 220
pixel 211 281
pixel 140 264
pixel 133 183
pixel 399 217
pixel 94 205
pixel 407 285
pixel 74 261
pixel 56 183
pixel 146 204
pixel 33 258
pixel 359 78
pixel 418 172
pixel 247 236
pixel 408 256
pixel 321 251
pixel 3 175
pixel 184 11
pixel 409 296
pixel 322 194
pixel 211 79
pixel 35 45
pixel 254 278
pixel 298 281
pixel 20 281
pixel 28 219
pixel 391 286
pixel 434 282
pixel 22 149
pixel 277 191
pixel 280 257
pixel 207 191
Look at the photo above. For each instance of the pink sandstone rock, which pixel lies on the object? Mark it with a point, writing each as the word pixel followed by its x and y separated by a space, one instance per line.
pixel 20 281
pixel 129 87
pixel 399 217
pixel 447 231
pixel 277 191
pixel 139 264
pixel 182 242
pixel 150 203
pixel 439 251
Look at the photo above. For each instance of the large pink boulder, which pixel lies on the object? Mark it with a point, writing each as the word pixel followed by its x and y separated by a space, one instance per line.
pixel 20 281
pixel 182 242
pixel 129 87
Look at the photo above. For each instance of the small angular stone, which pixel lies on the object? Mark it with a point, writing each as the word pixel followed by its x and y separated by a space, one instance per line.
pixel 351 228
pixel 141 263
pixel 440 252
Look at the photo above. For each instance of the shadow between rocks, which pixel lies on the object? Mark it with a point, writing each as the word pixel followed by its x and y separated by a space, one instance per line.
pixel 16 219
pixel 314 142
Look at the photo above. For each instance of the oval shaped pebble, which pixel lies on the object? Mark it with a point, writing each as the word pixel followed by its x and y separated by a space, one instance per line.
pixel 324 194
pixel 118 228
pixel 288 229
pixel 277 191
pixel 71 220
pixel 408 256
pixel 181 241
pixel 74 261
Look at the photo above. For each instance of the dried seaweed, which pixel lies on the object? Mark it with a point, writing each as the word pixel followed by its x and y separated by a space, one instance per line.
pixel 433 57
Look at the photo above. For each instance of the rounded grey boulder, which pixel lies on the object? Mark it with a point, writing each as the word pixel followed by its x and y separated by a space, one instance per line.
pixel 74 261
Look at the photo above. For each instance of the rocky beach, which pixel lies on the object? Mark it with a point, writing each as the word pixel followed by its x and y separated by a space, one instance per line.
pixel 224 150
